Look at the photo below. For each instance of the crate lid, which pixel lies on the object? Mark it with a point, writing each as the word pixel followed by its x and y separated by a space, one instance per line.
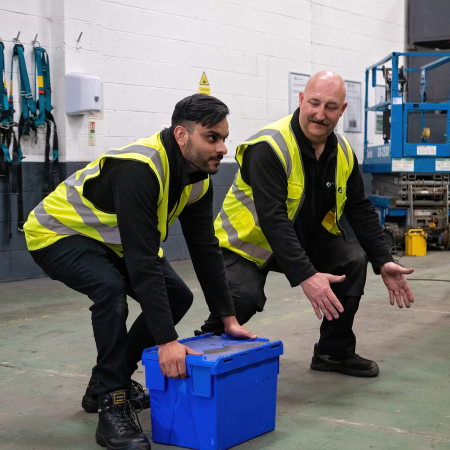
pixel 223 353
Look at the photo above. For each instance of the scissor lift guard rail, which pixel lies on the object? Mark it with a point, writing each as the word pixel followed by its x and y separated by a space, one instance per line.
pixel 410 183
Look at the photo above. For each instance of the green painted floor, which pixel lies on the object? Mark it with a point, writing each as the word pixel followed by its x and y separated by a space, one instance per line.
pixel 47 351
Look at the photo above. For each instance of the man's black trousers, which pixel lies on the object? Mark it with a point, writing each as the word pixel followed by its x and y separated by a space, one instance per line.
pixel 328 254
pixel 93 269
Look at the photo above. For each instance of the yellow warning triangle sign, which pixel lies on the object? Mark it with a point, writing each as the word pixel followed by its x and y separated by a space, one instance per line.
pixel 204 80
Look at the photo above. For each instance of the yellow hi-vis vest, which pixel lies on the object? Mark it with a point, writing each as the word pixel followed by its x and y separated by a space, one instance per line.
pixel 67 212
pixel 237 225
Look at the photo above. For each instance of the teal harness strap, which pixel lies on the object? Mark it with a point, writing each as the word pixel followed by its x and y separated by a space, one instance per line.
pixel 7 135
pixel 6 110
pixel 4 115
pixel 51 172
pixel 28 104
pixel 4 106
pixel 26 123
pixel 47 84
pixel 39 53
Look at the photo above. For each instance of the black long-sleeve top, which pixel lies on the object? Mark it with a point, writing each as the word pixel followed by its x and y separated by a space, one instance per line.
pixel 263 171
pixel 130 189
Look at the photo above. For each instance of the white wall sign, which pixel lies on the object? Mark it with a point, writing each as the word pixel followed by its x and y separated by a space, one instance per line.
pixel 352 115
pixel 297 83
pixel 203 86
pixel 91 133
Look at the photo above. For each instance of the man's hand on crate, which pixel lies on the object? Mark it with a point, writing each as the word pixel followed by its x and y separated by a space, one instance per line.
pixel 172 355
pixel 172 359
pixel 232 328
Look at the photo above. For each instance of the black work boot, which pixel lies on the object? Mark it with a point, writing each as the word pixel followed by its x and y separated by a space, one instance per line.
pixel 355 365
pixel 139 397
pixel 117 429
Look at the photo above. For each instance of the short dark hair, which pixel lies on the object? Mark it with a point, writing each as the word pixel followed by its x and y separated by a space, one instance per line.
pixel 199 108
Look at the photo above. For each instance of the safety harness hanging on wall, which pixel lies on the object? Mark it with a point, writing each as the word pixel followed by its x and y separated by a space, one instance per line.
pixel 7 135
pixel 33 115
pixel 44 104
pixel 26 123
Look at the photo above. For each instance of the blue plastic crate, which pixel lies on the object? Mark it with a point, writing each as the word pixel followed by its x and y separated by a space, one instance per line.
pixel 228 398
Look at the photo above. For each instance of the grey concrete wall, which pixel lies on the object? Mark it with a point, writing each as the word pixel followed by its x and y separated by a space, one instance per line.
pixel 15 260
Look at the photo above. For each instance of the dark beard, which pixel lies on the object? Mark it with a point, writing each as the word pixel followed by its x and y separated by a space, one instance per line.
pixel 196 160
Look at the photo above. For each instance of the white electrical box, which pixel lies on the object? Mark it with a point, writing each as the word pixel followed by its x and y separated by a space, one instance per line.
pixel 83 94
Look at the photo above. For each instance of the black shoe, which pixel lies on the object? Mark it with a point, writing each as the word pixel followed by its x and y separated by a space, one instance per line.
pixel 117 429
pixel 355 365
pixel 140 398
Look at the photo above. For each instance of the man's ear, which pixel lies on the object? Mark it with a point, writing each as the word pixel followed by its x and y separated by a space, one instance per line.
pixel 343 108
pixel 181 135
pixel 300 98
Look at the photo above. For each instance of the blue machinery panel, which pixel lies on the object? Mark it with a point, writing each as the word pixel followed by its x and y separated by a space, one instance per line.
pixel 412 177
pixel 396 154
pixel 385 210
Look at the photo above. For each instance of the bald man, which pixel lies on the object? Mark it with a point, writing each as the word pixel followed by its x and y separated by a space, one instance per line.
pixel 296 179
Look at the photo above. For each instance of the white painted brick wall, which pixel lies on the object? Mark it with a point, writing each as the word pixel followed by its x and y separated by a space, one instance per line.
pixel 150 54
pixel 347 36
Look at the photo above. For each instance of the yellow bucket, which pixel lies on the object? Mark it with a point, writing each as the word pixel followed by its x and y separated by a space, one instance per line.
pixel 415 243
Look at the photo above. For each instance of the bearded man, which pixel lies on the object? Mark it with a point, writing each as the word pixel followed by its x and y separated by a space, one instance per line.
pixel 99 233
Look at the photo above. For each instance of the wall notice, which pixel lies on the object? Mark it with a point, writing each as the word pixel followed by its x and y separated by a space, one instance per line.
pixel 352 115
pixel 297 83
pixel 203 87
pixel 91 133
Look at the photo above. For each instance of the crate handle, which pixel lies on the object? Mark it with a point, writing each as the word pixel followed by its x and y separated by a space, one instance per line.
pixel 201 381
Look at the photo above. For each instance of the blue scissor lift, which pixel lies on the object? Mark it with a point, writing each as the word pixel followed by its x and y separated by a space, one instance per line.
pixel 410 183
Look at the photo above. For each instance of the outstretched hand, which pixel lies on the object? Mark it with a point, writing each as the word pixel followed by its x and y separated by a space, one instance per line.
pixel 317 289
pixel 394 278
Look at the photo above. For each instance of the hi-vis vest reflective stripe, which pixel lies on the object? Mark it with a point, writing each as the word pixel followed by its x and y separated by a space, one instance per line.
pixel 67 212
pixel 237 225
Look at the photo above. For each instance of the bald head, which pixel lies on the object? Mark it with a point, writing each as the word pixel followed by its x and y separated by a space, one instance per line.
pixel 322 103
pixel 327 81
